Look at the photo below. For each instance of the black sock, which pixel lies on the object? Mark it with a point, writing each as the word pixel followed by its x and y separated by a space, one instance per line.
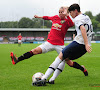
pixel 25 56
pixel 77 66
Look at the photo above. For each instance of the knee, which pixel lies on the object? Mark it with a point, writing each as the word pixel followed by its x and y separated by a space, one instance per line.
pixel 36 51
pixel 70 63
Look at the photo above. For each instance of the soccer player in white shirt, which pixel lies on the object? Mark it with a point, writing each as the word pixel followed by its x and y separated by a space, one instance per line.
pixel 81 43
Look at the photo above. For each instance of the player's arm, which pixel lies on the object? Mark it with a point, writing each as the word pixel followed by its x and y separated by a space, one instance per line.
pixel 84 34
pixel 70 22
pixel 74 34
pixel 66 11
pixel 36 16
pixel 43 17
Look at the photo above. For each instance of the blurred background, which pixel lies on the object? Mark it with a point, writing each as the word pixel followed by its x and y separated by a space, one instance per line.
pixel 17 16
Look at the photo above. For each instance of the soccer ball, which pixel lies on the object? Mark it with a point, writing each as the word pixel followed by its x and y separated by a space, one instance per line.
pixel 37 76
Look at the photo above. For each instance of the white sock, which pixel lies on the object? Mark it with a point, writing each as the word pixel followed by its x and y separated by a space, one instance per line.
pixel 54 65
pixel 58 70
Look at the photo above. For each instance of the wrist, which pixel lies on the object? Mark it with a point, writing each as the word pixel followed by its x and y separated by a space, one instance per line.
pixel 67 16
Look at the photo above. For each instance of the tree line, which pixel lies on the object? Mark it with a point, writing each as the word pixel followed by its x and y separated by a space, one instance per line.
pixel 25 22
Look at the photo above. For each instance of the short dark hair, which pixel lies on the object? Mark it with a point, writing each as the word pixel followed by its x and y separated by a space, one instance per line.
pixel 73 7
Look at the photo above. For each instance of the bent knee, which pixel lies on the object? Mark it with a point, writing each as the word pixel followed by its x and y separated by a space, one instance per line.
pixel 70 63
pixel 37 50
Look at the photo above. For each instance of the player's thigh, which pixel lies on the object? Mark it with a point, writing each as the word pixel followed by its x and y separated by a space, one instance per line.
pixel 59 48
pixel 46 47
pixel 73 51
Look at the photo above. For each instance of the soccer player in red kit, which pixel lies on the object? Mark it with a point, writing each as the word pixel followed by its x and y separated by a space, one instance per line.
pixel 55 41
pixel 19 39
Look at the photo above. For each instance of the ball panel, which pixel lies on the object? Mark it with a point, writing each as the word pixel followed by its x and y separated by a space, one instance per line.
pixel 37 76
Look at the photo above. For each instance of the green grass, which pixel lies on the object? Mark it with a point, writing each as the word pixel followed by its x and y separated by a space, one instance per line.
pixel 19 76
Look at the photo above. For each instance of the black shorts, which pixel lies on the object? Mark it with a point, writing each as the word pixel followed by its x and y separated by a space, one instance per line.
pixel 73 51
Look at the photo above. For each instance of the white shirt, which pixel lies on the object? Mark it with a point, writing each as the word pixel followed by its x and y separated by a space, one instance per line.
pixel 79 20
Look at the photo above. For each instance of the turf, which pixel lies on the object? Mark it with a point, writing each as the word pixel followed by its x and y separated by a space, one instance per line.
pixel 19 76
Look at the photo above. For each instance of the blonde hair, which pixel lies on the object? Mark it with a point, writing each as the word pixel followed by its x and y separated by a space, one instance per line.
pixel 65 7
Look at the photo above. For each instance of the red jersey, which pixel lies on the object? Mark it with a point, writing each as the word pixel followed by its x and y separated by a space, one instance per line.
pixel 19 37
pixel 58 29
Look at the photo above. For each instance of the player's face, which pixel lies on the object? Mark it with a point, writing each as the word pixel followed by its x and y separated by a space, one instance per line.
pixel 73 14
pixel 61 15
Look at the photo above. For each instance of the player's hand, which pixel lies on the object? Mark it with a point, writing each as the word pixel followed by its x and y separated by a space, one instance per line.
pixel 36 16
pixel 66 11
pixel 88 48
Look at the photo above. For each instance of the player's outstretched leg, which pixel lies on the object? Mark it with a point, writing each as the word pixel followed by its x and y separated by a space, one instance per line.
pixel 22 57
pixel 85 71
pixel 14 58
pixel 77 66
pixel 26 55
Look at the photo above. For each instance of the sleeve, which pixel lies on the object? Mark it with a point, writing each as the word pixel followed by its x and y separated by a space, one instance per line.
pixel 70 22
pixel 78 23
pixel 47 18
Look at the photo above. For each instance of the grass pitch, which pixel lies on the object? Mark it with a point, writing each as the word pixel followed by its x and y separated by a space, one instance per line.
pixel 19 76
